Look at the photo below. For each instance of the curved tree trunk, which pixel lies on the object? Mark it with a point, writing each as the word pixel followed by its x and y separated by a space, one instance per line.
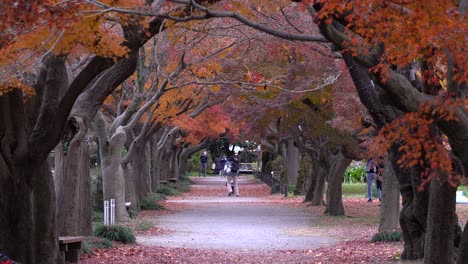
pixel 72 181
pixel 413 215
pixel 335 180
pixel 414 205
pixel 390 208
pixel 113 180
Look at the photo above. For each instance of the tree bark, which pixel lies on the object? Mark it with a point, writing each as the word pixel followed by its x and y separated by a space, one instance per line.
pixel 390 207
pixel 72 181
pixel 16 225
pixel 46 248
pixel 138 174
pixel 413 215
pixel 113 181
pixel 292 162
pixel 335 180
pixel 442 223
pixel 463 249
pixel 310 182
pixel 319 187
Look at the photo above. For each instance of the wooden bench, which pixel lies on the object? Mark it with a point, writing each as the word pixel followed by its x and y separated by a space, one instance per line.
pixel 173 179
pixel 70 247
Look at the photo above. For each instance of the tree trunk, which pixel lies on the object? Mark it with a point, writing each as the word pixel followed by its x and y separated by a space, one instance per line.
pixel 335 180
pixel 72 181
pixel 16 224
pixel 175 162
pixel 390 207
pixel 113 181
pixel 292 162
pixel 462 257
pixel 413 215
pixel 319 187
pixel 310 183
pixel 154 164
pixel 130 187
pixel 138 174
pixel 165 164
pixel 46 248
pixel 320 174
pixel 441 223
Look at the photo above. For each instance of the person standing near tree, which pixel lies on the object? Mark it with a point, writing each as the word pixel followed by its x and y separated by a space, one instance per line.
pixel 379 177
pixel 233 174
pixel 203 163
pixel 371 170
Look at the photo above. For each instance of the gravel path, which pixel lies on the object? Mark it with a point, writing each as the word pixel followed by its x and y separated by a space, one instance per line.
pixel 240 223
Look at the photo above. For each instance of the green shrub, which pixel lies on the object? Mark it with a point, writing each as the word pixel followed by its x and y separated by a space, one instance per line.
pixel 98 216
pixel 151 201
pixel 132 213
pixel 355 174
pixel 180 186
pixel 185 179
pixel 167 190
pixel 116 233
pixel 90 244
pixel 388 237
pixel 143 226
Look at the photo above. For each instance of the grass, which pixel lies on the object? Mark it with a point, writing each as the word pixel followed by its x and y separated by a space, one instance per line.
pixel 463 188
pixel 195 174
pixel 357 190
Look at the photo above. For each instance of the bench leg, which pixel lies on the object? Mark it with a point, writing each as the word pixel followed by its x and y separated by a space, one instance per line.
pixel 72 255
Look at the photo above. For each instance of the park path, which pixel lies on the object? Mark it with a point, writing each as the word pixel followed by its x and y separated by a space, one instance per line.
pixel 255 221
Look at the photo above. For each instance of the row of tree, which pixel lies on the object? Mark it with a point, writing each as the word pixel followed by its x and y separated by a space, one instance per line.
pixel 165 90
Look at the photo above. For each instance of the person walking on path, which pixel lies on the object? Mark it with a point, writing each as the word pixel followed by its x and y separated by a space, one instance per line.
pixel 233 174
pixel 203 164
pixel 222 162
pixel 219 165
pixel 371 169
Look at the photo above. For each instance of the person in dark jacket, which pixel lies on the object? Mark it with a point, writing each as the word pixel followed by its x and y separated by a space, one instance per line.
pixel 219 165
pixel 234 161
pixel 203 163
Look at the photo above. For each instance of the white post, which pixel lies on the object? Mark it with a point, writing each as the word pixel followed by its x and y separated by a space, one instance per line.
pixel 112 211
pixel 106 212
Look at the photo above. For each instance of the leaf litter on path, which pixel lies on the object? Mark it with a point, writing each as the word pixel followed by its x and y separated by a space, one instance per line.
pixel 354 231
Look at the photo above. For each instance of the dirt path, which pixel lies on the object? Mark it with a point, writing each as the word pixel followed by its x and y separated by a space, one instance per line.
pixel 246 223
pixel 206 226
